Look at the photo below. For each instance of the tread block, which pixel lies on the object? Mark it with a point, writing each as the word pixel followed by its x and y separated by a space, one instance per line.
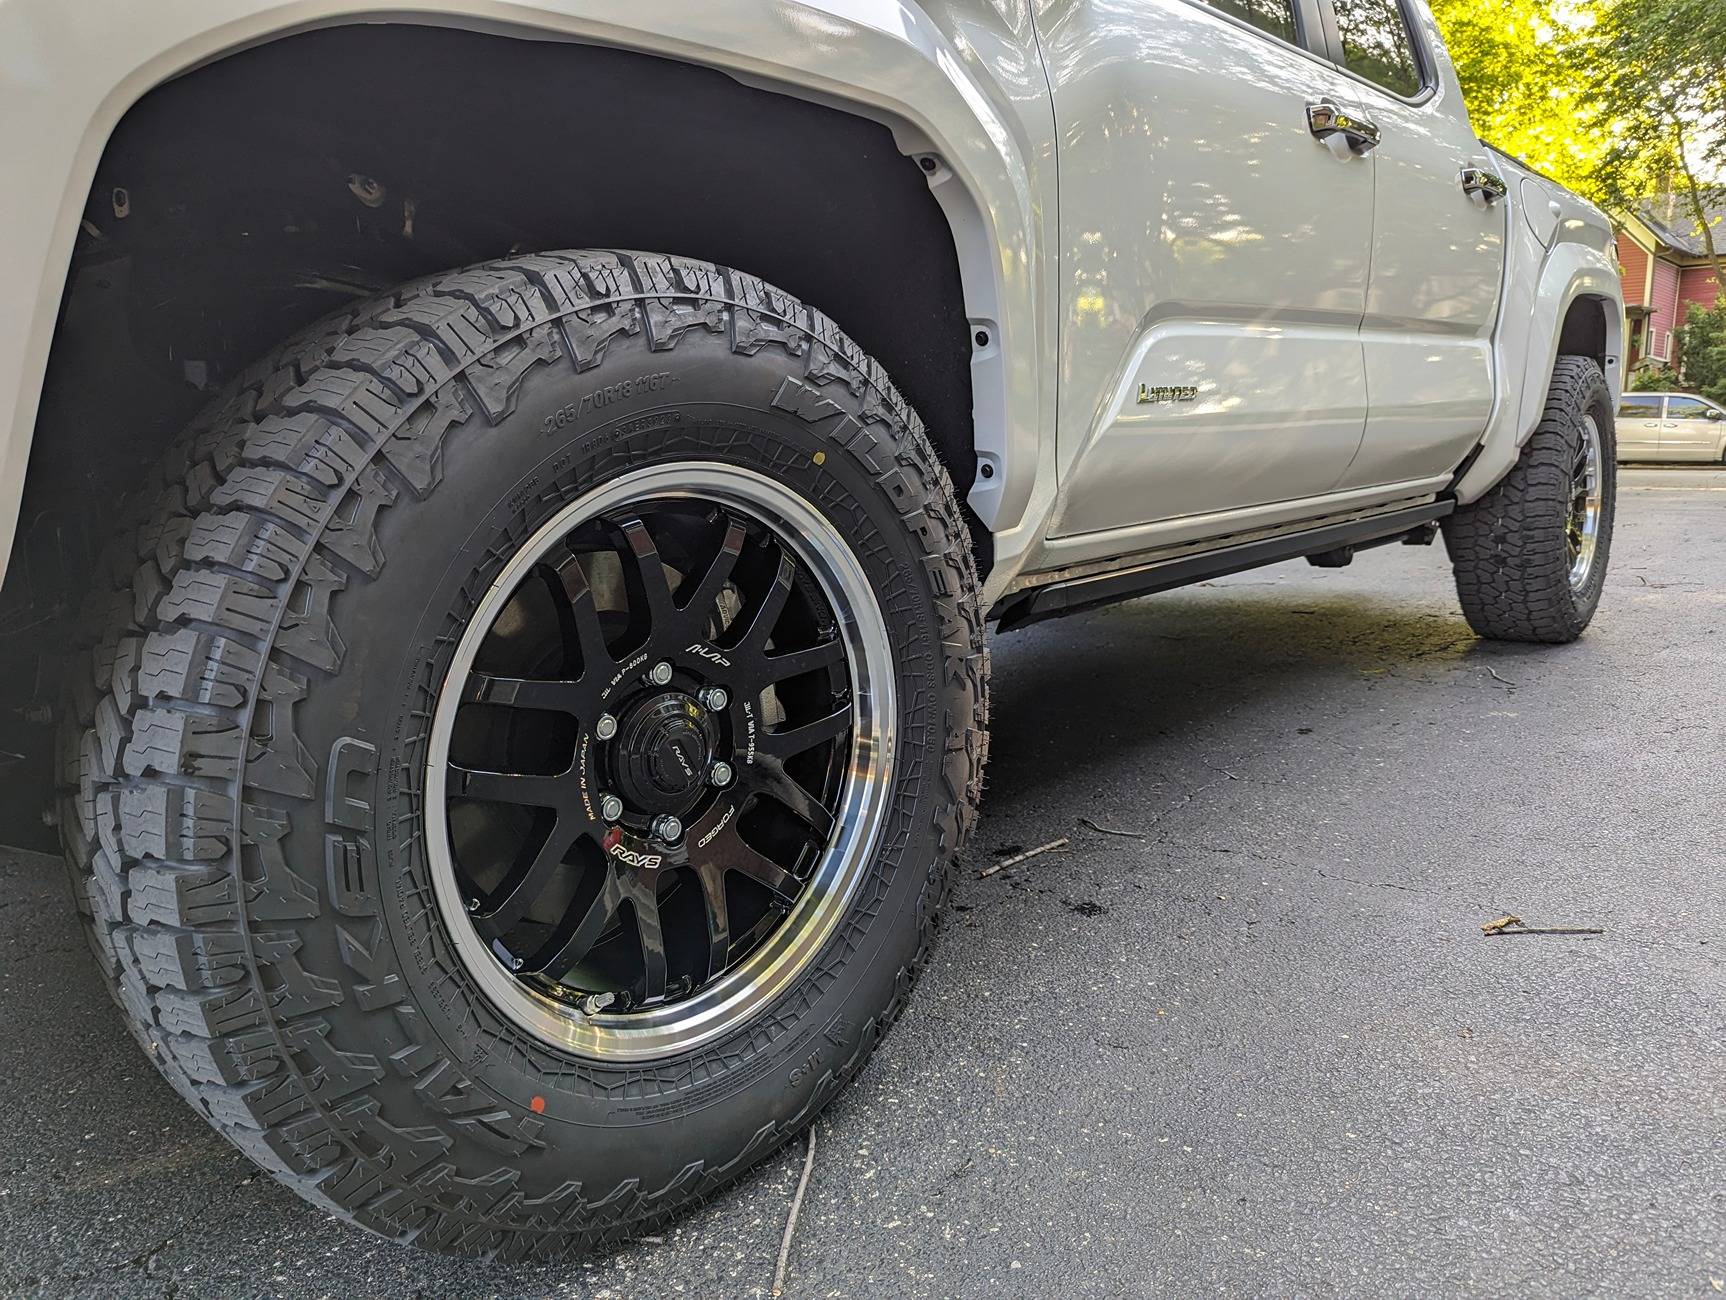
pixel 168 742
pixel 191 960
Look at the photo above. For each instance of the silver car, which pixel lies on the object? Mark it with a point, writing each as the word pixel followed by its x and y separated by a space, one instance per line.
pixel 1671 426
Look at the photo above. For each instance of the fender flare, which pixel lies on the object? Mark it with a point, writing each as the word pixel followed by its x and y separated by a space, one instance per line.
pixel 1530 326
pixel 959 84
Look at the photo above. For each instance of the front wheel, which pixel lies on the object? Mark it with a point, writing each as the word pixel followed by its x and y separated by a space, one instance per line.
pixel 1530 556
pixel 517 778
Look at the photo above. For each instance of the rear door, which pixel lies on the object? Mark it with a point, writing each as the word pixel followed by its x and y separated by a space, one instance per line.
pixel 1437 249
pixel 1691 430
pixel 1214 254
pixel 1639 426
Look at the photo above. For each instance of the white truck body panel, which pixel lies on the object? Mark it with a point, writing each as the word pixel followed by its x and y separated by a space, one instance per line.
pixel 1210 241
pixel 961 79
pixel 1354 326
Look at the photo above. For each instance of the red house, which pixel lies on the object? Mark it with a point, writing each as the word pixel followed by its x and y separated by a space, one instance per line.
pixel 1665 267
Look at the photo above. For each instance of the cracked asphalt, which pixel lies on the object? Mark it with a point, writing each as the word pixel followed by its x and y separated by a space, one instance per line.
pixel 1265 1049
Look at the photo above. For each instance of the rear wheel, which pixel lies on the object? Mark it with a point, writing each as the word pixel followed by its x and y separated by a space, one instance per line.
pixel 518 758
pixel 1530 556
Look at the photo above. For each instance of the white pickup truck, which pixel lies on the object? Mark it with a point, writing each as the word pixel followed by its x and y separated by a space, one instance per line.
pixel 526 698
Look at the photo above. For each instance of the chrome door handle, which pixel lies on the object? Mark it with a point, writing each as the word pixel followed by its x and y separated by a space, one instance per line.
pixel 1477 181
pixel 1326 122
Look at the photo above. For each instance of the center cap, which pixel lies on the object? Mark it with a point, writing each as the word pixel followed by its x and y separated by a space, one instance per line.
pixel 663 751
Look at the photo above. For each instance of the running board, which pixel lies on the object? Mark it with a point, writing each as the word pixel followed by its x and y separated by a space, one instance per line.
pixel 1055 599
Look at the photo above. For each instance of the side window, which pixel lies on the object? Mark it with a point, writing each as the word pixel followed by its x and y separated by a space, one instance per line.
pixel 1376 43
pixel 1274 16
pixel 1686 408
pixel 1640 406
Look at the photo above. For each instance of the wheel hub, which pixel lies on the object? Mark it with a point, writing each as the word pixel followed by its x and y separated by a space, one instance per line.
pixel 659 760
pixel 1582 525
pixel 665 746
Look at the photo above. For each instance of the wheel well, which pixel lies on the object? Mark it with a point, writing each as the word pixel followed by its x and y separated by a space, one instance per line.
pixel 247 198
pixel 241 201
pixel 1584 331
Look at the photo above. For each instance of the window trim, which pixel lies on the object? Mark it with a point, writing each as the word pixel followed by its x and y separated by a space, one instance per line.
pixel 1424 63
pixel 1702 403
pixel 1309 31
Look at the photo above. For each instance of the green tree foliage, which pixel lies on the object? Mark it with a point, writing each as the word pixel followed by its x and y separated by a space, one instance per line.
pixel 1521 64
pixel 1657 74
pixel 1702 344
pixel 1655 379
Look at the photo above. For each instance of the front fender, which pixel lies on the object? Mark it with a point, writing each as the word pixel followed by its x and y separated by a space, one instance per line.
pixel 1536 301
pixel 957 79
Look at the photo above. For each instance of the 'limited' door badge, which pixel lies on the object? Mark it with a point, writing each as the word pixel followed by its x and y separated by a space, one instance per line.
pixel 1166 393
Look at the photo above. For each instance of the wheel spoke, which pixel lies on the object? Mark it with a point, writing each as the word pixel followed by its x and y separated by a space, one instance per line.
pixel 718 920
pixel 575 938
pixel 730 853
pixel 509 787
pixel 757 624
pixel 769 777
pixel 645 904
pixel 788 742
pixel 705 595
pixel 503 909
pixel 578 616
pixel 646 577
pixel 778 668
pixel 525 693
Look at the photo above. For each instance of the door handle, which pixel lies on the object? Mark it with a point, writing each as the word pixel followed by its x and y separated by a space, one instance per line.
pixel 1331 124
pixel 1478 183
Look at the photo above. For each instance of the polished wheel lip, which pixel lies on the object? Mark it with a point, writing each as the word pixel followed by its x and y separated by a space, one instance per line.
pixel 1582 525
pixel 741 992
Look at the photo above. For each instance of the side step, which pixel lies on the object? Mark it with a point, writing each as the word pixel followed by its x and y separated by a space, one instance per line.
pixel 1054 599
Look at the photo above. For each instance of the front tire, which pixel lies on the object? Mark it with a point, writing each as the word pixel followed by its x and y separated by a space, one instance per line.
pixel 337 817
pixel 1530 556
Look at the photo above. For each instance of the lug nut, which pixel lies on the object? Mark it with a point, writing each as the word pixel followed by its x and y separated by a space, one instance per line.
pixel 719 775
pixel 606 727
pixel 660 675
pixel 714 698
pixel 610 807
pixel 667 828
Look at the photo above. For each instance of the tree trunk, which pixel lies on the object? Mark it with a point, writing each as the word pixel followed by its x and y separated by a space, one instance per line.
pixel 1698 209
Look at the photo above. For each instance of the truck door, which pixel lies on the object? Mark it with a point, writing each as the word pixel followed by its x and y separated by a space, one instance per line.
pixel 1437 249
pixel 1214 257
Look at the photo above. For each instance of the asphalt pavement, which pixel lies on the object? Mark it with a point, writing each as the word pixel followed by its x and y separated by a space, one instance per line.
pixel 1259 1046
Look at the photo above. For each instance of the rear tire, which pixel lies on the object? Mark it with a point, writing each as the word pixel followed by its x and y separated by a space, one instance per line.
pixel 1530 556
pixel 248 752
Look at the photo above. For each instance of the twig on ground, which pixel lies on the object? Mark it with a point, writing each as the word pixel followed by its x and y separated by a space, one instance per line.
pixel 1017 858
pixel 1514 925
pixel 791 1222
pixel 1110 830
pixel 1496 677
